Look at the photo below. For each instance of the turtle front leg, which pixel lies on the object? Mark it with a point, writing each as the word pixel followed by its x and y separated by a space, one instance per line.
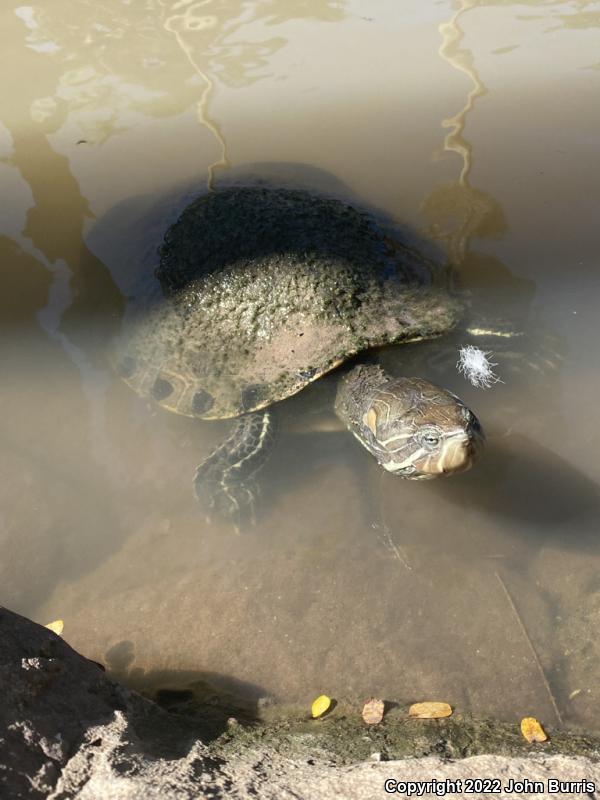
pixel 225 481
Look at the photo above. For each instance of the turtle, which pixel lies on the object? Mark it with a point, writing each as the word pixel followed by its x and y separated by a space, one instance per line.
pixel 262 290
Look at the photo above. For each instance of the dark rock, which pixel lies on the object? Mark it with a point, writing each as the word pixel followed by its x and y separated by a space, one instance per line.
pixel 65 725
pixel 50 696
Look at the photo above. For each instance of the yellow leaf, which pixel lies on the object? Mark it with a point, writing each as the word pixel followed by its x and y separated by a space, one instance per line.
pixel 532 730
pixel 320 705
pixel 56 626
pixel 429 710
pixel 372 712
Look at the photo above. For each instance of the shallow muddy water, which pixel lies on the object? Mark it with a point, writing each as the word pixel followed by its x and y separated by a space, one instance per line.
pixel 474 123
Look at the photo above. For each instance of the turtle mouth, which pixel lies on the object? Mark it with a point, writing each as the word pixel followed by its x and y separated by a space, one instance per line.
pixel 408 472
pixel 461 452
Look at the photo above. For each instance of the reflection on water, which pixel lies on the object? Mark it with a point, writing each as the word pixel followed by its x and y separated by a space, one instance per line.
pixel 482 589
pixel 458 212
pixel 206 33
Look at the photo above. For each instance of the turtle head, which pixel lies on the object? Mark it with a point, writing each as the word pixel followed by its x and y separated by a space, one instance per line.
pixel 421 430
pixel 414 428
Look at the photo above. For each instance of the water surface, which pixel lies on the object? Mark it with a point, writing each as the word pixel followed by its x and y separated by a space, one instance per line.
pixel 474 123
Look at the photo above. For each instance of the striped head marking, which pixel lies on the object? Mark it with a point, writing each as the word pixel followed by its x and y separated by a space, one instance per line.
pixel 370 420
pixel 417 430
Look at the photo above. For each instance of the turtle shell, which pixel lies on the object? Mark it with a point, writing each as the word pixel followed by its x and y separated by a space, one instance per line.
pixel 265 290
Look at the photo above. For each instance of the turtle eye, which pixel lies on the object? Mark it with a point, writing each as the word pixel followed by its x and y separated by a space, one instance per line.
pixel 431 439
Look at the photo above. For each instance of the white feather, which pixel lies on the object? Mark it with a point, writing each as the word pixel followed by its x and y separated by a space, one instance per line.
pixel 476 366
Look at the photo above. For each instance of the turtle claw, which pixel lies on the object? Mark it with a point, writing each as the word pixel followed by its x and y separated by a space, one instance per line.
pixel 231 501
pixel 520 352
